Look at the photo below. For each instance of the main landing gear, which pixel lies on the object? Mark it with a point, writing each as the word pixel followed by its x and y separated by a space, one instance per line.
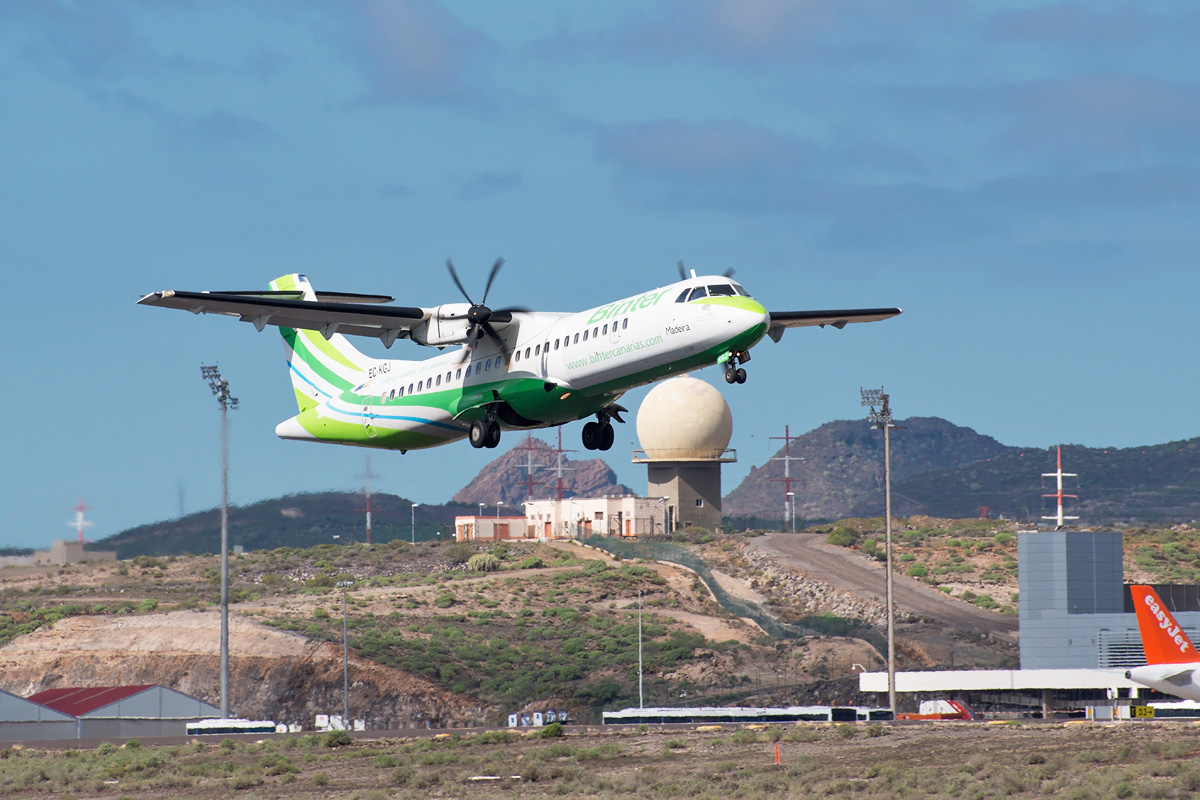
pixel 484 432
pixel 734 373
pixel 599 435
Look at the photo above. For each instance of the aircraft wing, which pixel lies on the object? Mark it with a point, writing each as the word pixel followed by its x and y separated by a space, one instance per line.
pixel 838 318
pixel 287 310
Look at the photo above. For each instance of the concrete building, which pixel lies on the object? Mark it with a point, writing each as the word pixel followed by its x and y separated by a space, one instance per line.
pixel 61 552
pixel 127 711
pixel 492 529
pixel 24 720
pixel 580 517
pixel 1075 610
pixel 684 426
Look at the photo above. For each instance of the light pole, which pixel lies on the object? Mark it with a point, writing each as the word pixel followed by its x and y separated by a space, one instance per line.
pixel 500 503
pixel 882 419
pixel 413 522
pixel 220 388
pixel 791 496
pixel 345 587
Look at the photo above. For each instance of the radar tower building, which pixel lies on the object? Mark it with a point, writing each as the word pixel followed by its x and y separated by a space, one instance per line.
pixel 684 426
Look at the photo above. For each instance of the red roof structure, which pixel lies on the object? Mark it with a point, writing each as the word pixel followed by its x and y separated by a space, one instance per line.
pixel 79 701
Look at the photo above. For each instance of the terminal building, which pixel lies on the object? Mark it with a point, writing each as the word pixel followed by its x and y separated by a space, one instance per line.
pixel 1078 632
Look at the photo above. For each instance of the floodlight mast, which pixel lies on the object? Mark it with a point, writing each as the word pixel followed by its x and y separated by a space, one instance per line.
pixel 882 419
pixel 220 388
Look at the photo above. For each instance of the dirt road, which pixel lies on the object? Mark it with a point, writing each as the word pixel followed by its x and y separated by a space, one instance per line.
pixel 850 571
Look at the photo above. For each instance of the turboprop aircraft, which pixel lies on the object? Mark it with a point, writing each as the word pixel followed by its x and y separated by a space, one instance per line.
pixel 515 369
pixel 1172 666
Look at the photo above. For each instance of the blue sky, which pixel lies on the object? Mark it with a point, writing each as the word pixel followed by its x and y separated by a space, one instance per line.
pixel 1023 179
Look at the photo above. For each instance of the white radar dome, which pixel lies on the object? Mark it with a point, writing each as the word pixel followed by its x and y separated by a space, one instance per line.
pixel 684 419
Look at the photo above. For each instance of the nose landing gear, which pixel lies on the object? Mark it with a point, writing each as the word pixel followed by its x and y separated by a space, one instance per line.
pixel 734 373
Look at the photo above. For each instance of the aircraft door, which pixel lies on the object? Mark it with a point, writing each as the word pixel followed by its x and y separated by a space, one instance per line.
pixel 368 419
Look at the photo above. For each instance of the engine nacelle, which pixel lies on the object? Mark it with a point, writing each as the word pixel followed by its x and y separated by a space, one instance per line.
pixel 447 324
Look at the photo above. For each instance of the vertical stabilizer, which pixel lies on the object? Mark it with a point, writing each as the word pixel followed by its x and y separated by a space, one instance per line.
pixel 321 367
pixel 1162 638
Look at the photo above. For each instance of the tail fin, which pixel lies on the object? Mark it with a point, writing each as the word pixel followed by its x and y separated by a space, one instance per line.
pixel 321 368
pixel 1162 638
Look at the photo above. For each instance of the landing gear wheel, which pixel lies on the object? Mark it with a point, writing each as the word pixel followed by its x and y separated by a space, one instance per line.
pixel 607 437
pixel 741 375
pixel 592 435
pixel 493 434
pixel 730 373
pixel 478 434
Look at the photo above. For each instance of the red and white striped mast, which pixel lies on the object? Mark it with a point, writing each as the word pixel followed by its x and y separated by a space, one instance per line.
pixel 1058 494
pixel 79 523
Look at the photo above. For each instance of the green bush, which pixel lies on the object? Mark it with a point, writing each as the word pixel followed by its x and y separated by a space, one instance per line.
pixel 336 739
pixel 459 553
pixel 552 730
pixel 1002 538
pixel 844 537
pixel 444 600
pixel 533 562
pixel 917 571
pixel 483 562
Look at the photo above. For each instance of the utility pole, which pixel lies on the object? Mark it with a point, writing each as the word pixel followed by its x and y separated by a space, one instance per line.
pixel 881 419
pixel 220 388
pixel 789 496
pixel 345 587
pixel 413 522
pixel 641 700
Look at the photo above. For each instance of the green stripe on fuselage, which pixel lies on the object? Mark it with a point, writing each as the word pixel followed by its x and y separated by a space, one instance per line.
pixel 736 301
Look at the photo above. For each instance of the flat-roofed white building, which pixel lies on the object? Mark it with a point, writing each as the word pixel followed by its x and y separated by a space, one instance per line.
pixel 580 517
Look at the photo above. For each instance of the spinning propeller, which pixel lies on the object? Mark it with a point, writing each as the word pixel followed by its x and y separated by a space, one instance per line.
pixel 683 276
pixel 479 315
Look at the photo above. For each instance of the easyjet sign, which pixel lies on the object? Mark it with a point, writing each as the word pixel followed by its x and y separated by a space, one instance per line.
pixel 1169 626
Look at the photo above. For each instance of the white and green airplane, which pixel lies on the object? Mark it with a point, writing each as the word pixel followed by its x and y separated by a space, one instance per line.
pixel 514 369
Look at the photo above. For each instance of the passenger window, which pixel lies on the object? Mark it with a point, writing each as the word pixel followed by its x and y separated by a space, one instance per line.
pixel 383 397
pixel 439 380
pixel 527 352
pixel 683 296
pixel 606 329
pixel 585 335
pixel 546 347
pixel 448 374
pixel 577 338
pixel 537 349
pixel 556 344
pixel 595 332
pixel 721 290
pixel 625 323
pixel 410 388
pixel 420 385
pixel 402 391
pixel 697 293
pixel 458 374
pixel 487 365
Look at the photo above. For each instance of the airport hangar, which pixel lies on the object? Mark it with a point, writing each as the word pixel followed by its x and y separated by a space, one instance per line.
pixel 1078 633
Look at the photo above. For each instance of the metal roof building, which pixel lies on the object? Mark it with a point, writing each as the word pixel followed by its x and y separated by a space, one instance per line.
pixel 127 711
pixel 25 720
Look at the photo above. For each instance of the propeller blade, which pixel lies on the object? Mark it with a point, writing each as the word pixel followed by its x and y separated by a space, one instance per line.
pixel 682 272
pixel 491 276
pixel 457 282
pixel 729 272
pixel 491 332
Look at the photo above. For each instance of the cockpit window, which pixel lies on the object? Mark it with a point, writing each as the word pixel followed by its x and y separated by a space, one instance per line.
pixel 741 291
pixel 683 296
pixel 720 290
pixel 697 293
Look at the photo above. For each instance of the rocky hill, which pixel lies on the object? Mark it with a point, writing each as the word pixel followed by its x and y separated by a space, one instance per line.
pixel 1150 484
pixel 841 465
pixel 507 479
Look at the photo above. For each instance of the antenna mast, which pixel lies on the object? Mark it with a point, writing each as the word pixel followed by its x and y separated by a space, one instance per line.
pixel 789 498
pixel 367 476
pixel 559 468
pixel 79 523
pixel 529 466
pixel 1058 475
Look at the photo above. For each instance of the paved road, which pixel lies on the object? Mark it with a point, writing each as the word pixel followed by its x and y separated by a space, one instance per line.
pixel 849 571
